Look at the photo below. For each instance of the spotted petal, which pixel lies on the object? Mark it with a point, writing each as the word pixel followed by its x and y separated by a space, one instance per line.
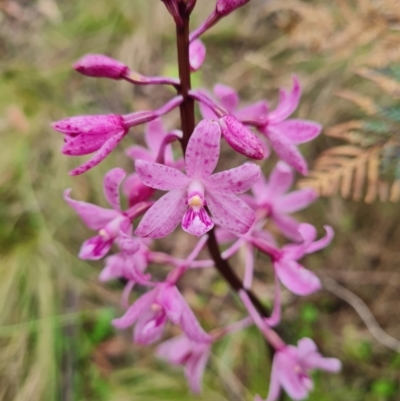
pixel 296 278
pixel 299 131
pixel 162 218
pixel 288 102
pixel 159 176
pixel 202 152
pixel 230 212
pixel 236 180
pixel 95 217
pixel 227 97
pixel 112 182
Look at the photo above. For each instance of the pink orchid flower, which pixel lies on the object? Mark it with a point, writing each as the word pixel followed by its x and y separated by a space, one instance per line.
pixel 285 134
pixel 271 199
pixel 190 354
pixel 155 136
pixel 294 276
pixel 108 222
pixel 189 194
pixel 152 310
pixel 291 370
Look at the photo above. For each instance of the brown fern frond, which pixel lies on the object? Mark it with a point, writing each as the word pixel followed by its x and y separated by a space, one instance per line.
pixel 350 171
pixel 365 103
pixel 389 85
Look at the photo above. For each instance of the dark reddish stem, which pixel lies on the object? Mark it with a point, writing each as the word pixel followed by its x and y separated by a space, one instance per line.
pixel 188 123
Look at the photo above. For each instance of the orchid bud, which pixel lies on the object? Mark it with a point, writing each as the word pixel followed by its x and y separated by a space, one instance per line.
pixel 240 138
pixel 101 66
pixel 86 134
pixel 197 54
pixel 225 7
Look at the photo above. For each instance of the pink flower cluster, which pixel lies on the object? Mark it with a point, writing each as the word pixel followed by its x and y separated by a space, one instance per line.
pixel 233 207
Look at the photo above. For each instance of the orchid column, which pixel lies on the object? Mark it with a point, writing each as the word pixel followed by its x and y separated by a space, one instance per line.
pixel 212 206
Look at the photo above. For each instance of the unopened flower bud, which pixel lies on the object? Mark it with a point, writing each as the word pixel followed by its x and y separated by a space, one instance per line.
pixel 240 138
pixel 100 66
pixel 225 7
pixel 197 54
pixel 86 134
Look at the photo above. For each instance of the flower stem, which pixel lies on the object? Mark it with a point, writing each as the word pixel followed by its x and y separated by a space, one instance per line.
pixel 188 123
pixel 187 106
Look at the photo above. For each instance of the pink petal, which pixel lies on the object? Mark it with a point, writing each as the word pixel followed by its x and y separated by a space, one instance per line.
pixel 230 212
pixel 296 278
pixel 227 97
pixel 288 226
pixel 95 217
pixel 260 188
pixel 202 151
pixel 289 377
pixel 274 385
pixel 296 200
pixel 154 135
pixel 175 350
pixel 197 54
pixel 191 326
pixel 159 176
pixel 206 111
pixel 84 144
pixel 162 218
pixel 281 178
pixel 150 327
pixel 305 346
pixel 139 153
pixel 323 242
pixel 288 103
pixel 309 233
pixel 254 112
pixel 113 269
pixel 112 182
pixel 95 248
pixel 316 361
pixel 141 305
pixel 197 222
pixel 236 180
pixel 101 154
pixel 171 300
pixel 275 317
pixel 299 131
pixel 194 371
pixel 287 151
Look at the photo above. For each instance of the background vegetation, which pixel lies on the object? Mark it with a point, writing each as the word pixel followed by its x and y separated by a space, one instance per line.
pixel 56 342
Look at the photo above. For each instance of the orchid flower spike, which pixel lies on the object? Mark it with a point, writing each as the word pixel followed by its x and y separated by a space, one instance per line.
pixel 291 370
pixel 188 353
pixel 189 194
pixel 152 310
